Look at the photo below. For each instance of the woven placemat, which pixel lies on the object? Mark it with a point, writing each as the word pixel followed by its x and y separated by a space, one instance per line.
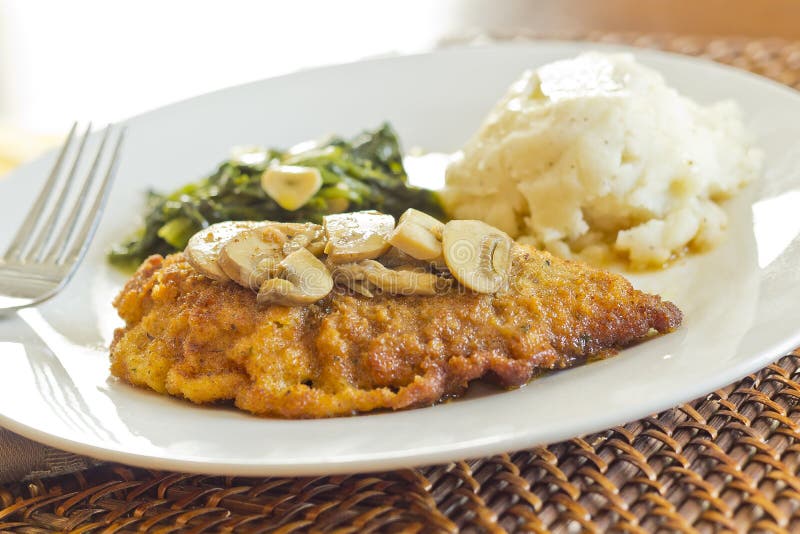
pixel 725 462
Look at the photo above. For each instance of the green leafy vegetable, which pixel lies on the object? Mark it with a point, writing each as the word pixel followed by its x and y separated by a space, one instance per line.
pixel 365 172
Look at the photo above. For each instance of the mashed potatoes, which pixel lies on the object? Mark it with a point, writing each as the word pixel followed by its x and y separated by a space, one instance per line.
pixel 597 155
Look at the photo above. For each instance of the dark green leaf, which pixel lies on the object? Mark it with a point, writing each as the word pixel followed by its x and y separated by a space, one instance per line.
pixel 365 172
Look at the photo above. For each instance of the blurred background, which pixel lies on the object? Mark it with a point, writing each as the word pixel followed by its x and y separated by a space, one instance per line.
pixel 107 60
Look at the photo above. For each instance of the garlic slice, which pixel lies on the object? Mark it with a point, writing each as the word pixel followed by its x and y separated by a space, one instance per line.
pixel 291 186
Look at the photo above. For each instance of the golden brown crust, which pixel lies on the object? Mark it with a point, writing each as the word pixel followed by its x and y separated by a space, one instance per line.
pixel 190 336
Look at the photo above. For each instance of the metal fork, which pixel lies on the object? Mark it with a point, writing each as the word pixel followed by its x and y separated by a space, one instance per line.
pixel 48 247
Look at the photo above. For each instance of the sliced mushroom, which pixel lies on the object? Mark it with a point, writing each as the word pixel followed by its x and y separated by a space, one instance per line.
pixel 420 218
pixel 204 247
pixel 412 268
pixel 439 263
pixel 352 278
pixel 396 282
pixel 311 237
pixel 394 257
pixel 273 290
pixel 420 235
pixel 478 255
pixel 304 279
pixel 357 236
pixel 416 241
pixel 317 247
pixel 252 256
pixel 362 288
pixel 291 186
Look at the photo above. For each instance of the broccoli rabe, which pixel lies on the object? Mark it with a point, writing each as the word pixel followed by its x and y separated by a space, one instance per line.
pixel 365 172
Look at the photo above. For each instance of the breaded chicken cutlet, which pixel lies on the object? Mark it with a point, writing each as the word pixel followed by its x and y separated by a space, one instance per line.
pixel 191 336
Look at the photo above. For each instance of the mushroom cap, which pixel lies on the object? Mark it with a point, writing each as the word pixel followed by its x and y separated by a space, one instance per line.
pixel 252 256
pixel 203 250
pixel 421 218
pixel 416 240
pixel 477 255
pixel 304 279
pixel 357 236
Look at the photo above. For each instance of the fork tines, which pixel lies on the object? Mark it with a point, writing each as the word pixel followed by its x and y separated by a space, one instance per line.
pixel 47 235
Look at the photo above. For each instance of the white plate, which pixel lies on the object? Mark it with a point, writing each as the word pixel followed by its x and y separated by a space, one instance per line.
pixel 740 301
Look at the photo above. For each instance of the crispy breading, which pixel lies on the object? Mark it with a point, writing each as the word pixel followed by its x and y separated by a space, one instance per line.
pixel 207 341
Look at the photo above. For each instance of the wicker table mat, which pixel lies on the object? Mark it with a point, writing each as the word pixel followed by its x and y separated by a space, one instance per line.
pixel 725 462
